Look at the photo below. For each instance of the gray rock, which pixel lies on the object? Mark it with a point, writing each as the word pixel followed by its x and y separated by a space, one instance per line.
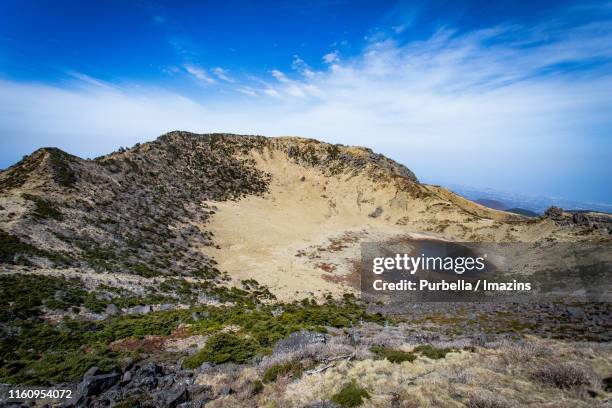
pixel 151 370
pixel 96 384
pixel 59 295
pixel 127 377
pixel 204 298
pixel 376 213
pixel 142 309
pixel 298 340
pixel 575 312
pixel 176 396
pixel 112 310
pixel 581 218
pixel 554 213
pixel 91 372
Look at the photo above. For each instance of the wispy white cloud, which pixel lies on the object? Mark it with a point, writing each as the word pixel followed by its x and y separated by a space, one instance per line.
pixel 280 77
pixel 271 92
pixel 300 66
pixel 83 79
pixel 493 107
pixel 331 57
pixel 199 73
pixel 247 91
pixel 223 75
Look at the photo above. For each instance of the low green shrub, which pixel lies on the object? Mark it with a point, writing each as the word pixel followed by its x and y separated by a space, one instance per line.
pixel 22 295
pixel 432 352
pixel 56 367
pixel 351 395
pixel 225 348
pixel 63 173
pixel 256 387
pixel 11 246
pixel 160 323
pixel 393 355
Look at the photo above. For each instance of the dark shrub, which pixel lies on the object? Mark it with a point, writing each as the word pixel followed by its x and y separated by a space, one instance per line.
pixel 432 352
pixel 224 348
pixel 393 355
pixel 351 395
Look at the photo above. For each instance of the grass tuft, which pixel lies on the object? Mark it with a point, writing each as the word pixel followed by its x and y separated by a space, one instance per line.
pixel 351 395
pixel 293 368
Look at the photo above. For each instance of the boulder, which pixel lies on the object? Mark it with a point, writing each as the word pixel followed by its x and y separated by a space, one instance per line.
pixel 151 369
pixel 112 310
pixel 554 213
pixel 376 213
pixel 91 372
pixel 96 384
pixel 175 396
pixel 298 340
pixel 142 309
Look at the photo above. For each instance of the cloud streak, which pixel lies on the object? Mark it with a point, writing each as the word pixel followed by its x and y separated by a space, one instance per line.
pixel 199 73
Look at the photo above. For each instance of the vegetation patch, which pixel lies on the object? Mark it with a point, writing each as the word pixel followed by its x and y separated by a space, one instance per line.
pixel 267 329
pixel 34 350
pixel 53 368
pixel 399 356
pixel 11 247
pixel 393 355
pixel 432 352
pixel 63 173
pixel 351 395
pixel 293 368
pixel 563 375
pixel 225 348
pixel 256 387
pixel 43 209
pixel 22 296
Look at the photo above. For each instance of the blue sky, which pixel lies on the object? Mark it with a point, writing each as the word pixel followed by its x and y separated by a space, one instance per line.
pixel 512 95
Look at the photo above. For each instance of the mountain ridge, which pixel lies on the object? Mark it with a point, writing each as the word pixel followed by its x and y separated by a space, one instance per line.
pixel 171 206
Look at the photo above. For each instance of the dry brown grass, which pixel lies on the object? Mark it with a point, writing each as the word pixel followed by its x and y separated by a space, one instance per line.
pixel 501 375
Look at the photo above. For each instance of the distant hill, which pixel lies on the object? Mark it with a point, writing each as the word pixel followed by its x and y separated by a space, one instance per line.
pixel 496 205
pixel 537 204
pixel 522 211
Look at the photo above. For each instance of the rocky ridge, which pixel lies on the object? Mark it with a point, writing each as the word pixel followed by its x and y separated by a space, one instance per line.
pixel 141 210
